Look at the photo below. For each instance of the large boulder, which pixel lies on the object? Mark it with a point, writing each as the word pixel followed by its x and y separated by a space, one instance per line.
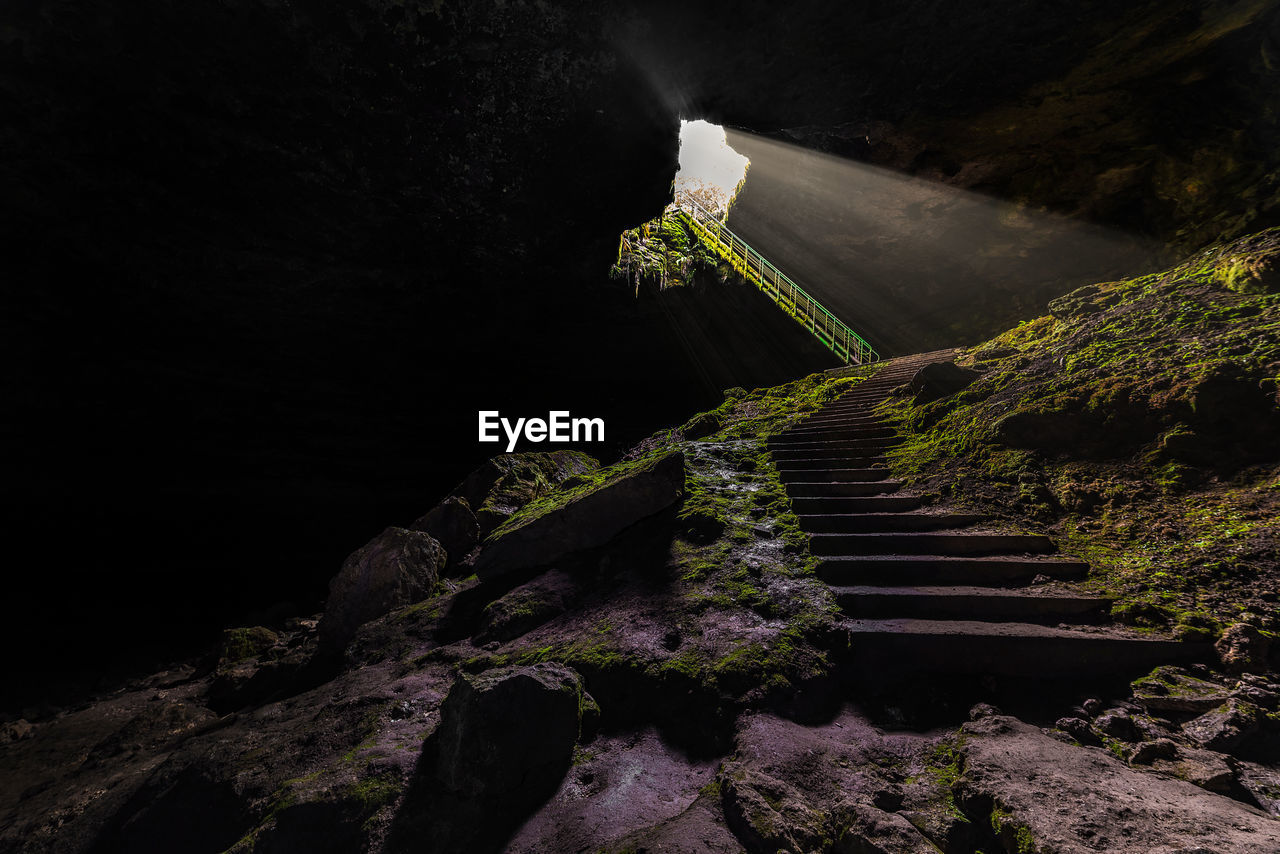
pixel 508 733
pixel 396 568
pixel 588 516
pixel 939 380
pixel 504 743
pixel 1225 727
pixel 1173 689
pixel 451 524
pixel 506 483
pixel 1243 648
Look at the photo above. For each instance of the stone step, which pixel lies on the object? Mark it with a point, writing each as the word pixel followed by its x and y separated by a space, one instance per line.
pixel 837 422
pixel 863 403
pixel 1008 649
pixel 870 395
pixel 987 604
pixel 826 489
pixel 831 433
pixel 945 569
pixel 845 460
pixel 833 475
pixel 834 444
pixel 867 504
pixel 924 543
pixel 862 523
pixel 842 418
pixel 836 451
pixel 841 424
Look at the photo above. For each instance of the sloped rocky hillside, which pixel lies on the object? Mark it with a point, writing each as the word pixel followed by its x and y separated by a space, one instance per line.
pixel 564 656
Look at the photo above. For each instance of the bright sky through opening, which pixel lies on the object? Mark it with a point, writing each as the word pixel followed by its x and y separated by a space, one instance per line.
pixel 710 171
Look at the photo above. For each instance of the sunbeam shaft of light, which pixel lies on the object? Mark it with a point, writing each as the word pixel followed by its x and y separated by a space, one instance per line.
pixel 913 264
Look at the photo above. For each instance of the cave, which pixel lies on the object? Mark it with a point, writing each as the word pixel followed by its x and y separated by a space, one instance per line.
pixel 266 262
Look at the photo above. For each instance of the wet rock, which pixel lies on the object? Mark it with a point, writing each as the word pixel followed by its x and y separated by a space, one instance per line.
pixel 1149 751
pixel 396 568
pixel 452 524
pixel 1242 648
pixel 1226 727
pixel 586 519
pixel 940 379
pixel 1091 707
pixel 1173 689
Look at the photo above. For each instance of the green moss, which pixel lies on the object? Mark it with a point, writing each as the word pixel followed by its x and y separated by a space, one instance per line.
pixel 374 793
pixel 1115 424
pixel 1009 830
pixel 244 643
pixel 579 487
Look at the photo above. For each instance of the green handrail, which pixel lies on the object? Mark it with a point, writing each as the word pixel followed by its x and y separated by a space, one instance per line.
pixel 789 296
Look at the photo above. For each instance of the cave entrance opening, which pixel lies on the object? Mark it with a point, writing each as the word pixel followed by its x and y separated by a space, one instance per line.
pixel 711 172
pixel 663 252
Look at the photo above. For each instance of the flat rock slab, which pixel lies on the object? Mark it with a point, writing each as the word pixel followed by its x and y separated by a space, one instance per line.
pixel 1072 799
pixel 1007 648
pixel 588 517
pixel 626 784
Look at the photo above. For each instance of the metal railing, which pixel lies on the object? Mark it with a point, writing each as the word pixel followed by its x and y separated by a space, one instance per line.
pixel 789 296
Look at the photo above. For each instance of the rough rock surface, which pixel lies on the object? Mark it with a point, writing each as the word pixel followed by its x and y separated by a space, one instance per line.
pixel 940 379
pixel 1072 799
pixel 587 518
pixel 1243 648
pixel 504 743
pixel 1225 727
pixel 396 568
pixel 451 524
pixel 844 783
pixel 508 729
pixel 625 784
pixel 526 607
pixel 504 484
pixel 1172 689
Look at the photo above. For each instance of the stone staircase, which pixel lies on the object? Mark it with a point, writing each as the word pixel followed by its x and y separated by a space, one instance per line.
pixel 931 590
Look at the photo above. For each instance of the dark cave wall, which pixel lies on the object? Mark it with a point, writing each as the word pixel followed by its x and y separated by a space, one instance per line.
pixel 1157 118
pixel 265 260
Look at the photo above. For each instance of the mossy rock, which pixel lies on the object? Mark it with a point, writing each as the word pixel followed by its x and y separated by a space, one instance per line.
pixel 244 643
